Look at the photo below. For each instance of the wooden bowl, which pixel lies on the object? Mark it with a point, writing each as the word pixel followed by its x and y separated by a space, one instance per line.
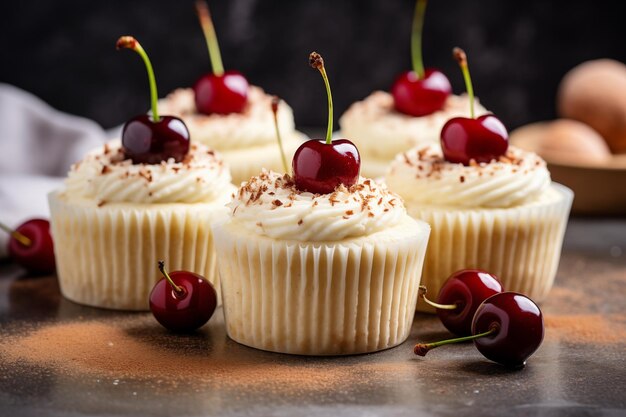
pixel 599 187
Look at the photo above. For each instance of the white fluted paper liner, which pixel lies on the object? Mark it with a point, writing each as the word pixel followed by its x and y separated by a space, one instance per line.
pixel 247 162
pixel 321 298
pixel 107 256
pixel 521 245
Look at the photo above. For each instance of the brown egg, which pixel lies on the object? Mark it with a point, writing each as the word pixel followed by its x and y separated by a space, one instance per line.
pixel 594 93
pixel 563 141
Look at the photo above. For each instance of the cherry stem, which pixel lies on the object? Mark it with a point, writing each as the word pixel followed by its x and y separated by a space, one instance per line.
pixel 275 104
pixel 178 290
pixel 20 237
pixel 128 42
pixel 416 38
pixel 316 61
pixel 422 294
pixel 422 349
pixel 202 8
pixel 461 58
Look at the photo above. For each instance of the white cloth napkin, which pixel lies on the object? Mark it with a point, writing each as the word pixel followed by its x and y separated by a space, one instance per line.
pixel 38 144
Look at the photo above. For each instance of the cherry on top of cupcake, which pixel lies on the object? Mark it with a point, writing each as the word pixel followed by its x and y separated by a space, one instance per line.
pixel 152 139
pixel 221 92
pixel 320 166
pixel 481 139
pixel 421 91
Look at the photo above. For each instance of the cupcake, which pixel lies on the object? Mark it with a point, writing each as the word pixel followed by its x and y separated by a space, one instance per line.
pixel 225 113
pixel 411 114
pixel 319 274
pixel 491 206
pixel 504 216
pixel 323 262
pixel 115 219
pixel 153 196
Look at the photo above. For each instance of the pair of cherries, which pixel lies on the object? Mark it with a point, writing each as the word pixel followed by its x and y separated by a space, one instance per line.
pixel 506 327
pixel 421 92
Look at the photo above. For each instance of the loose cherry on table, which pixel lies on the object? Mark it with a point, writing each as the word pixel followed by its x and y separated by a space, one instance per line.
pixel 182 301
pixel 420 92
pixel 481 139
pixel 460 297
pixel 220 91
pixel 320 166
pixel 31 246
pixel 507 328
pixel 152 139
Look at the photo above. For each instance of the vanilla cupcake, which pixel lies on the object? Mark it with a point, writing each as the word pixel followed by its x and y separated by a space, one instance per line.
pixel 246 140
pixel 384 132
pixel 115 219
pixel 319 274
pixel 504 216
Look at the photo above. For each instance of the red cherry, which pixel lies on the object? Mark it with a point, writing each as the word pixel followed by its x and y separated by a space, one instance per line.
pixel 149 142
pixel 152 139
pixel 519 328
pixel 417 96
pixel 420 92
pixel 507 329
pixel 222 94
pixel 482 139
pixel 182 301
pixel 460 297
pixel 31 246
pixel 218 92
pixel 320 168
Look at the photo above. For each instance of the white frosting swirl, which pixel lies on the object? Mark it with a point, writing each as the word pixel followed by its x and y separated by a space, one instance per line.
pixel 270 205
pixel 105 176
pixel 421 175
pixel 253 127
pixel 381 132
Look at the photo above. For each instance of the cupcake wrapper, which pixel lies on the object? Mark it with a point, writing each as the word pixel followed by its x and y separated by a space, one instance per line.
pixel 520 245
pixel 321 298
pixel 107 256
pixel 244 163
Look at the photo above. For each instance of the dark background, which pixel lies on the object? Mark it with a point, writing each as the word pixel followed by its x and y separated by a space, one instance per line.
pixel 63 50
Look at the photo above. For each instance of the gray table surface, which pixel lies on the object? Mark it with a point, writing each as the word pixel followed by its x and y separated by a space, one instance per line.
pixel 566 377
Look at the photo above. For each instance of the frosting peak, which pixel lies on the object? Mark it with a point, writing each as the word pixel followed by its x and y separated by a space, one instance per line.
pixel 423 175
pixel 270 205
pixel 105 176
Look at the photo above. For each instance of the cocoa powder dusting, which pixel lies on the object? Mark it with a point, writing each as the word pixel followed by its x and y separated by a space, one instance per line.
pixel 587 328
pixel 101 349
pixel 140 350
